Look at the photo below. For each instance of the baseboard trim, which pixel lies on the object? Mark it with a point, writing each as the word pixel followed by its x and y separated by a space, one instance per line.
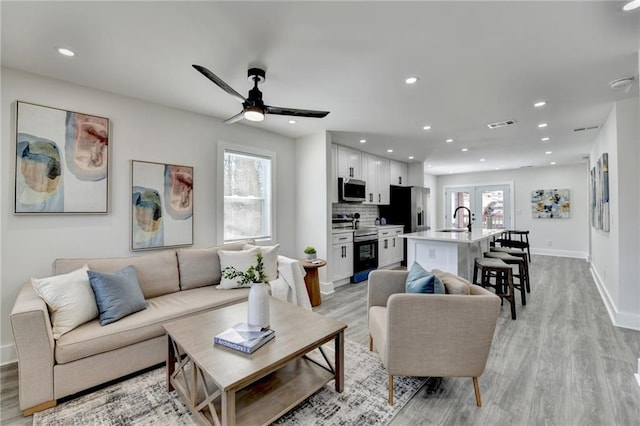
pixel 8 354
pixel 619 319
pixel 326 288
pixel 560 253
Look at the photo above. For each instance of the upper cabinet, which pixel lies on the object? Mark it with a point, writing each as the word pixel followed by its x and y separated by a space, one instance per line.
pixel 334 173
pixel 375 172
pixel 349 163
pixel 398 173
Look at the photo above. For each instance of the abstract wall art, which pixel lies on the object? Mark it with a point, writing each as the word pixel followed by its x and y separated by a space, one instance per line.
pixel 62 161
pixel 600 193
pixel 550 204
pixel 161 205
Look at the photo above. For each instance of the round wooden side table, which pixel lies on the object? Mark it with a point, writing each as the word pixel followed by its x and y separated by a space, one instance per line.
pixel 311 280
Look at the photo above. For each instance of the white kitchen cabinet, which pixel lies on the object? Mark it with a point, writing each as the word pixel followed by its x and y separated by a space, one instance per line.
pixel 390 246
pixel 334 173
pixel 376 175
pixel 398 173
pixel 342 256
pixel 349 163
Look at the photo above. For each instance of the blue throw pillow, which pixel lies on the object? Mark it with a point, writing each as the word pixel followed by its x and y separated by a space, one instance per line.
pixel 421 281
pixel 117 294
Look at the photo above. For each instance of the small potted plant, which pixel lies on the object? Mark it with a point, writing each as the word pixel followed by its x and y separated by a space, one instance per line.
pixel 310 253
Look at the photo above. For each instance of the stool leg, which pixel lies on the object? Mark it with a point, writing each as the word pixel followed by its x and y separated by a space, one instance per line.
pixel 523 285
pixel 512 297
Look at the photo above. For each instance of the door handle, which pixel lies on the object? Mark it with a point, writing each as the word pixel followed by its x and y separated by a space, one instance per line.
pixel 394 242
pixel 371 197
pixel 386 244
pixel 379 198
pixel 399 180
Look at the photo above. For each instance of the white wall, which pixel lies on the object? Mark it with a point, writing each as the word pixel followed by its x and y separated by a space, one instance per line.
pixel 569 237
pixel 313 215
pixel 615 253
pixel 140 131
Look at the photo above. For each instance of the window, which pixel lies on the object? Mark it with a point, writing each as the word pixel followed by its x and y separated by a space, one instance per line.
pixel 247 189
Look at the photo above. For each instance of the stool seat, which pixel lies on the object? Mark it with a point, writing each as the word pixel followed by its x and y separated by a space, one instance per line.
pixel 521 254
pixel 502 272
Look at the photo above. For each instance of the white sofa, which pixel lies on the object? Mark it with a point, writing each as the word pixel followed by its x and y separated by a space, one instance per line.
pixel 175 283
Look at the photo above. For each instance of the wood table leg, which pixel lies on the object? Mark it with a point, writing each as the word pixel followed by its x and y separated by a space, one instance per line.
pixel 229 408
pixel 339 362
pixel 171 363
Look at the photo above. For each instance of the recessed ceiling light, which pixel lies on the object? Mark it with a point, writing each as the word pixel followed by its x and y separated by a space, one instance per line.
pixel 553 163
pixel 363 141
pixel 66 52
pixel 465 149
pixel 540 104
pixel 633 4
pixel 292 121
pixel 389 150
pixel 449 140
pixel 542 125
pixel 428 165
pixel 544 139
pixel 427 127
pixel 548 152
pixel 482 159
pixel 411 80
pixel 497 168
pixel 411 157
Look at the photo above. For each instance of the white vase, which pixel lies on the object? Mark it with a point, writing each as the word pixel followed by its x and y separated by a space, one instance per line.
pixel 258 312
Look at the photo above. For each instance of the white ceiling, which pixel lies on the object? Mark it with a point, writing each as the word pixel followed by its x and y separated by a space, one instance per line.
pixel 478 62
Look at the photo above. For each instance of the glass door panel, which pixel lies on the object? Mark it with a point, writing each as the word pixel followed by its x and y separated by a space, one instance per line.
pixel 493 209
pixel 490 207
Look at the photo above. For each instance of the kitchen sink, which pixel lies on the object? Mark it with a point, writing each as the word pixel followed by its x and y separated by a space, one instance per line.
pixel 453 230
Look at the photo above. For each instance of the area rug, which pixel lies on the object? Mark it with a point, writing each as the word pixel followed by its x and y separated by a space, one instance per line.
pixel 143 399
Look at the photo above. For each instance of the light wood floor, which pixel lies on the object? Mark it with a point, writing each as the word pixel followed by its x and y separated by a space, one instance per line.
pixel 560 363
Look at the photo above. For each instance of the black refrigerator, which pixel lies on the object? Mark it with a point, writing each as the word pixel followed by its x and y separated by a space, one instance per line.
pixel 408 206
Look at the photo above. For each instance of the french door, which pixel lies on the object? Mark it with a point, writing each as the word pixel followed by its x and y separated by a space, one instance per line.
pixel 489 205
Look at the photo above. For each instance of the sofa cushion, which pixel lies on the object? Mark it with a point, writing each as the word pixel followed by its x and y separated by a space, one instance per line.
pixel 269 259
pixel 201 267
pixel 117 293
pixel 92 339
pixel 69 298
pixel 241 261
pixel 453 283
pixel 421 281
pixel 157 272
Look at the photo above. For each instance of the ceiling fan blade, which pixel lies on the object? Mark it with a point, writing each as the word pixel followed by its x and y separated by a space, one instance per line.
pixel 217 80
pixel 239 116
pixel 295 112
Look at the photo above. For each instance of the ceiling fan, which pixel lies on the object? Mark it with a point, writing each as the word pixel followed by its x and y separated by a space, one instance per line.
pixel 253 109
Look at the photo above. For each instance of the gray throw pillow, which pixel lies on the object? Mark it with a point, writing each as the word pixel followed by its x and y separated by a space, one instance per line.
pixel 117 294
pixel 421 281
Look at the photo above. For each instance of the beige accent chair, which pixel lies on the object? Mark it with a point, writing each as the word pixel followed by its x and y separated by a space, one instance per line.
pixel 431 335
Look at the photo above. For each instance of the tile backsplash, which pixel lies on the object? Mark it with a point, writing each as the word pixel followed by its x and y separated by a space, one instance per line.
pixel 368 212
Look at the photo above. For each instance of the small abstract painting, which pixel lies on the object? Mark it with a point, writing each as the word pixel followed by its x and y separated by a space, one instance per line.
pixel 62 161
pixel 550 204
pixel 603 178
pixel 161 205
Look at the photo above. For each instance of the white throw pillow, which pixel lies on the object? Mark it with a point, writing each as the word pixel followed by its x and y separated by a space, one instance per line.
pixel 269 259
pixel 70 299
pixel 240 260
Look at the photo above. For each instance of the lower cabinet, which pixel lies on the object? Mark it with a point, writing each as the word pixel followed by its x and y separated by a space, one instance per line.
pixel 342 256
pixel 390 247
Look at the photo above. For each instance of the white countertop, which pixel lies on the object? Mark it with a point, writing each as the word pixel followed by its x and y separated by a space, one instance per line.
pixel 455 237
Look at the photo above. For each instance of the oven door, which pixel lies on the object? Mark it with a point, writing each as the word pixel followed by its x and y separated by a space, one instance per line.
pixel 365 256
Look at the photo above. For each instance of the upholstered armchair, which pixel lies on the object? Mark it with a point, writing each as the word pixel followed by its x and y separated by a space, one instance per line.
pixel 431 335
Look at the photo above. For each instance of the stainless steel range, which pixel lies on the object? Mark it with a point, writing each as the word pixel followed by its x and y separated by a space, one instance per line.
pixel 365 253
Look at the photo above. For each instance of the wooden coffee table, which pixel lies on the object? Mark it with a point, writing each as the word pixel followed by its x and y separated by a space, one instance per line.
pixel 224 386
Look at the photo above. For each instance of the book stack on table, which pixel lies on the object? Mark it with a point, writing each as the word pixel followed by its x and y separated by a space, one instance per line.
pixel 244 337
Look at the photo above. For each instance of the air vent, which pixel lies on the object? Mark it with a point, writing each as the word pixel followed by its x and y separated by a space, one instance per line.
pixel 580 129
pixel 525 167
pixel 501 124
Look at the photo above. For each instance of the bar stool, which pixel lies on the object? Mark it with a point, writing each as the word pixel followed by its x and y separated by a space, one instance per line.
pixel 521 254
pixel 521 275
pixel 503 274
pixel 508 239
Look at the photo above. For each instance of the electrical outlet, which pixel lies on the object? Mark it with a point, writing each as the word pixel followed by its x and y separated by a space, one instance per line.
pixel 549 243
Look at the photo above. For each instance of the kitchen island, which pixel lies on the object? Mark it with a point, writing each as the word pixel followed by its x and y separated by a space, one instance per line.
pixel 451 250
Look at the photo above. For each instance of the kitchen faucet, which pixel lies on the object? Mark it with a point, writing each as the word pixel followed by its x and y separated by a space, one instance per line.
pixel 469 211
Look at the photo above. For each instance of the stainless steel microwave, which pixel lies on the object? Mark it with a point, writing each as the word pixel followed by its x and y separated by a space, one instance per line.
pixel 351 190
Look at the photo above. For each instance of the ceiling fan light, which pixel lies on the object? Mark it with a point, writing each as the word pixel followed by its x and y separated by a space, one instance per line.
pixel 253 114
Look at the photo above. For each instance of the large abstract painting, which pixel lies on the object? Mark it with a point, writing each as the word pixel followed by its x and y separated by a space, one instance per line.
pixel 600 192
pixel 550 204
pixel 62 161
pixel 161 205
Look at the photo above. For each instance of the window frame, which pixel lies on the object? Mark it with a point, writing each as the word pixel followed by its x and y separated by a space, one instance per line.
pixel 251 151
